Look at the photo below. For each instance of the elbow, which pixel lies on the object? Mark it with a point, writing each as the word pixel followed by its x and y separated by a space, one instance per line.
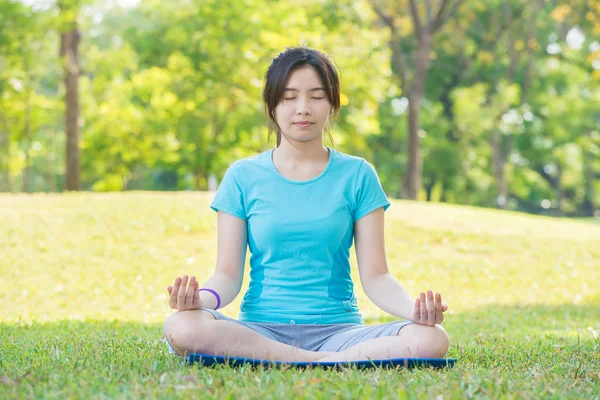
pixel 233 274
pixel 237 280
pixel 371 282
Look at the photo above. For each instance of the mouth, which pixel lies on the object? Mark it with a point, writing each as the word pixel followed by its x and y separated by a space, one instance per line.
pixel 304 124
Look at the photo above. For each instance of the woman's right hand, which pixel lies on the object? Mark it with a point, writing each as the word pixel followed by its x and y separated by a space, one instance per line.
pixel 182 297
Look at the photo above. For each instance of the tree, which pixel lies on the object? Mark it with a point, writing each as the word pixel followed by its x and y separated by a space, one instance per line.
pixel 424 27
pixel 27 95
pixel 70 38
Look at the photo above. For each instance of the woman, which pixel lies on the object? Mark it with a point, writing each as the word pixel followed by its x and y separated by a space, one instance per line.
pixel 298 207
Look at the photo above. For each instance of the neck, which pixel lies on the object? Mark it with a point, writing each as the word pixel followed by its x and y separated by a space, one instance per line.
pixel 303 153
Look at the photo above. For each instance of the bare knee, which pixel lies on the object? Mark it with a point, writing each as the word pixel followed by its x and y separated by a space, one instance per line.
pixel 431 341
pixel 189 331
pixel 440 341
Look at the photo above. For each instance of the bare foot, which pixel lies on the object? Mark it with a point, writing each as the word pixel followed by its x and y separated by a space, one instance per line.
pixel 326 356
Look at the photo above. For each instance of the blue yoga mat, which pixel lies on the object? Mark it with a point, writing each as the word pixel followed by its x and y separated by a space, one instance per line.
pixel 208 360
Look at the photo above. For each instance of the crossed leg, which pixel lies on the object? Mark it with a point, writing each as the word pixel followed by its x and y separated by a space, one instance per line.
pixel 197 331
pixel 412 341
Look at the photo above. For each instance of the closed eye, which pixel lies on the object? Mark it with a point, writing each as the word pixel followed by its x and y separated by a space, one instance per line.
pixel 316 98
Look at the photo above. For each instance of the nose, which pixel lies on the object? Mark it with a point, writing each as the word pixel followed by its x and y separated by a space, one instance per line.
pixel 302 108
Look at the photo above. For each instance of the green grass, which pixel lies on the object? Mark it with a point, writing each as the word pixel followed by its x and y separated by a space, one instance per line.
pixel 84 299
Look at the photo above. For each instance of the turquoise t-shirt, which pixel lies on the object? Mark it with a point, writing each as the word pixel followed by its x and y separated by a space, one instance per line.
pixel 299 235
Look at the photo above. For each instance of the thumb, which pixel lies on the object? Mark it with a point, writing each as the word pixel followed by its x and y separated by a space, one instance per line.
pixel 169 289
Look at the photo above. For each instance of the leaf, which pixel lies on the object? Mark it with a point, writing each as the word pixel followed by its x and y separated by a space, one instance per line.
pixel 560 12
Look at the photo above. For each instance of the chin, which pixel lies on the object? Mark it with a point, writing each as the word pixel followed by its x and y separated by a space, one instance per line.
pixel 305 138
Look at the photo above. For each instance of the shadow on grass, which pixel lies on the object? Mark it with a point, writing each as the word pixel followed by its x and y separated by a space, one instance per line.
pixel 490 333
pixel 500 350
pixel 521 321
pixel 543 335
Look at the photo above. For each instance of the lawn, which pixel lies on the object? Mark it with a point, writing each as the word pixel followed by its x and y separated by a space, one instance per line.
pixel 84 300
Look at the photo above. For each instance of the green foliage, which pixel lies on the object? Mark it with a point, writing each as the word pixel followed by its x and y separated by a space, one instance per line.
pixel 173 89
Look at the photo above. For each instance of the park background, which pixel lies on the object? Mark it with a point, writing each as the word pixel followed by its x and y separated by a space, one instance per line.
pixel 119 118
pixel 486 103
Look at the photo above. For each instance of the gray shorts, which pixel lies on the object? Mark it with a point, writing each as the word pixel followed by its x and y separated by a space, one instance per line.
pixel 316 337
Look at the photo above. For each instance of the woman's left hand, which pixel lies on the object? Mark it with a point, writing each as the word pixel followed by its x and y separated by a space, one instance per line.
pixel 429 310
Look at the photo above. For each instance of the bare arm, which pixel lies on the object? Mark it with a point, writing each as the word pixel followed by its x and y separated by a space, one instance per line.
pixel 227 279
pixel 231 257
pixel 380 286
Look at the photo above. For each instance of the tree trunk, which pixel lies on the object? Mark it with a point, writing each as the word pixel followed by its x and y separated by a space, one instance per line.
pixel 501 152
pixel 414 162
pixel 554 182
pixel 443 194
pixel 429 187
pixel 589 208
pixel 27 139
pixel 199 178
pixel 414 112
pixel 558 188
pixel 70 52
pixel 25 174
pixel 424 29
pixel 51 174
pixel 499 156
pixel 4 171
pixel 499 170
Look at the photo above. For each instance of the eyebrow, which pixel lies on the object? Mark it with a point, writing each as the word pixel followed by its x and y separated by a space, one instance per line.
pixel 310 90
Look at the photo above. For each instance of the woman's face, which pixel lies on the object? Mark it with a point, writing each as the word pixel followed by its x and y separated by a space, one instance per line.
pixel 304 99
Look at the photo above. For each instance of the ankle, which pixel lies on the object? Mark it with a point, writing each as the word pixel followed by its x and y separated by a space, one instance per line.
pixel 319 355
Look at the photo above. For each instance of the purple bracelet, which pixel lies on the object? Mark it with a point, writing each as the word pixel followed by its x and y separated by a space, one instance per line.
pixel 216 295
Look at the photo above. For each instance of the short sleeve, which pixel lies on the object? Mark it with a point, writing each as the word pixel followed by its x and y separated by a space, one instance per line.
pixel 229 197
pixel 369 194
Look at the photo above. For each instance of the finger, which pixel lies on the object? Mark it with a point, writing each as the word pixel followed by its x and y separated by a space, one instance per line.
pixel 430 308
pixel 439 315
pixel 181 293
pixel 417 310
pixel 423 310
pixel 196 300
pixel 444 307
pixel 189 297
pixel 174 291
pixel 177 283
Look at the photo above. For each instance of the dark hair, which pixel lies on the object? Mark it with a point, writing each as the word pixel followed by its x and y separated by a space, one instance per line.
pixel 282 67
